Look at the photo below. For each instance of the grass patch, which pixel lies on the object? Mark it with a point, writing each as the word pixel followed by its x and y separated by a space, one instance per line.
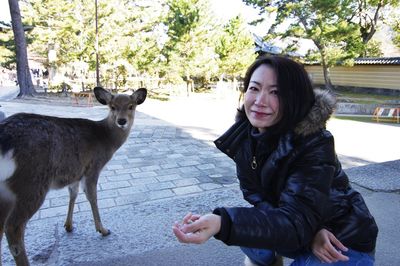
pixel 158 95
pixel 365 119
pixel 365 98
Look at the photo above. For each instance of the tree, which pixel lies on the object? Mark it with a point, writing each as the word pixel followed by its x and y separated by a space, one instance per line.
pixel 191 36
pixel 340 29
pixel 395 24
pixel 67 27
pixel 23 71
pixel 323 22
pixel 124 28
pixel 7 46
pixel 235 48
pixel 368 13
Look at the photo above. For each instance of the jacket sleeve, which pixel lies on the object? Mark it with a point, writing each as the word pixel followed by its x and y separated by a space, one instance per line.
pixel 292 225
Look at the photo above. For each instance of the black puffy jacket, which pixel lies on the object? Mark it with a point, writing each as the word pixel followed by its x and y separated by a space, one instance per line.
pixel 296 189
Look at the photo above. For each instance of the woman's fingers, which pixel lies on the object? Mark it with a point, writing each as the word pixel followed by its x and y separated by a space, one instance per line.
pixel 333 249
pixel 337 256
pixel 337 243
pixel 195 238
pixel 187 218
pixel 195 217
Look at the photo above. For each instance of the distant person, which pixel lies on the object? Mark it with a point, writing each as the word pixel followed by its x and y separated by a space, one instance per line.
pixel 303 205
pixel 45 73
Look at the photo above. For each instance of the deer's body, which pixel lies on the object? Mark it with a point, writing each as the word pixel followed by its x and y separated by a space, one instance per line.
pixel 38 153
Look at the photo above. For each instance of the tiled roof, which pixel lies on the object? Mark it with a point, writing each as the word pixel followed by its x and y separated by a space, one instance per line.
pixel 378 61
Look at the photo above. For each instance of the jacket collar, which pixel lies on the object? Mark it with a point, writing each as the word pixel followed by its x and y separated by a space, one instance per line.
pixel 319 114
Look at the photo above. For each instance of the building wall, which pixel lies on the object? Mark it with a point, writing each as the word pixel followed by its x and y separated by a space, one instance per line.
pixel 364 76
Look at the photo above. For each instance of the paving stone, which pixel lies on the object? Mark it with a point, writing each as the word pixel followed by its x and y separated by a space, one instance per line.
pixel 160 185
pixel 186 182
pixel 187 190
pixel 115 185
pixel 161 194
pixel 209 186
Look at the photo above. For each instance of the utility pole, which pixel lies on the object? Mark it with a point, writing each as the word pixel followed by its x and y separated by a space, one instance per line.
pixel 97 48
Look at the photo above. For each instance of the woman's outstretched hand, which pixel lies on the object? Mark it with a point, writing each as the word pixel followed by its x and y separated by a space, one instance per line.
pixel 197 229
pixel 327 248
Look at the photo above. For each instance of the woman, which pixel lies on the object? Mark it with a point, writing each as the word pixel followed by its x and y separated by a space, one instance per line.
pixel 304 206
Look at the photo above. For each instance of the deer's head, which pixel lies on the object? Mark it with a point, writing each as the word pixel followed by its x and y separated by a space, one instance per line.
pixel 122 106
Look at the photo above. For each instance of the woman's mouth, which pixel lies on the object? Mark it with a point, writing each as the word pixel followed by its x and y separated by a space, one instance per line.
pixel 258 114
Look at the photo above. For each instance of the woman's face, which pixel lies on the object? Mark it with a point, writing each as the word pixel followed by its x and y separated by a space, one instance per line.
pixel 261 101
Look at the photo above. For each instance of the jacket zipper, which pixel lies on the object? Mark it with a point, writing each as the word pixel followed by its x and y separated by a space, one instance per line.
pixel 254 163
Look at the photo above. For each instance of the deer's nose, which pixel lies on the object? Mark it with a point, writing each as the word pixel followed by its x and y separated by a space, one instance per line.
pixel 121 121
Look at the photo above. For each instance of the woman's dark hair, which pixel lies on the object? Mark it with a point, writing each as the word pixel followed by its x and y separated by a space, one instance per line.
pixel 295 90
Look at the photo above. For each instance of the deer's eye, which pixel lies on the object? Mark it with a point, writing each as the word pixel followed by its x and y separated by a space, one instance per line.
pixel 130 107
pixel 112 107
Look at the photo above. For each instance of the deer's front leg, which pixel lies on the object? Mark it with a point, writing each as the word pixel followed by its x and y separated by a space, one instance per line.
pixel 91 195
pixel 73 193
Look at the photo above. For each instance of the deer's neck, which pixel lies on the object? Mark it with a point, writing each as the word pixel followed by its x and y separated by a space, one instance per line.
pixel 114 134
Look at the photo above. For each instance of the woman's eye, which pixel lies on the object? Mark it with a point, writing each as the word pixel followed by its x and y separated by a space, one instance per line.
pixel 274 92
pixel 253 89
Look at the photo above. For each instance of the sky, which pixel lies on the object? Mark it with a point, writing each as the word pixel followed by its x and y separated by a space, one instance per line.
pixel 4 11
pixel 226 9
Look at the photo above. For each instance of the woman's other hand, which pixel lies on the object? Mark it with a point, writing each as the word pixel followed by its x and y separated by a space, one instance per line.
pixel 197 229
pixel 327 248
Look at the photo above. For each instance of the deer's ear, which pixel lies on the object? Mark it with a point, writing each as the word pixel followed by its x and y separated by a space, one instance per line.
pixel 102 95
pixel 139 96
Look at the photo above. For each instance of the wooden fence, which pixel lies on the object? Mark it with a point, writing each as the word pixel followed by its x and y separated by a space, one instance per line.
pixel 363 76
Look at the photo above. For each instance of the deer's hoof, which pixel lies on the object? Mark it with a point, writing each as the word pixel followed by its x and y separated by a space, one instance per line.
pixel 104 232
pixel 68 228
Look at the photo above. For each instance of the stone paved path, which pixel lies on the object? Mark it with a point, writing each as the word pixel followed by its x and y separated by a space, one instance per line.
pixel 170 157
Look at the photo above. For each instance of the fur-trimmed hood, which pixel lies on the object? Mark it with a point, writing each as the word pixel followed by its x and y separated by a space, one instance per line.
pixel 324 105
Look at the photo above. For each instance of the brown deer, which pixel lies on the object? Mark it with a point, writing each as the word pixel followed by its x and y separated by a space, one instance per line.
pixel 39 153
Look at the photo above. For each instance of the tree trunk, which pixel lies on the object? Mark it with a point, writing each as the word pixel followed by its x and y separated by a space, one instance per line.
pixel 325 68
pixel 23 73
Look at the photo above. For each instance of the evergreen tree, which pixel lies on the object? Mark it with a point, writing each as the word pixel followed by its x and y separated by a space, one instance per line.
pixel 235 48
pixel 340 29
pixel 23 71
pixel 191 36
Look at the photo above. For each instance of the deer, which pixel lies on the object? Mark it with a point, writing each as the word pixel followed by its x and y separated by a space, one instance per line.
pixel 39 153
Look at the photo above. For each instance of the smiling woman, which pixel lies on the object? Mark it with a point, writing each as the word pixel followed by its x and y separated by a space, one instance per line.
pixel 303 205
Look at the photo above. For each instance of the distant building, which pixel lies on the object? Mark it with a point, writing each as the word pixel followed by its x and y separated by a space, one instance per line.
pixel 377 73
pixel 264 48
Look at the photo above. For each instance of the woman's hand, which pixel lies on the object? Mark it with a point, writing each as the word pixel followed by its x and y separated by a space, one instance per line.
pixel 327 248
pixel 197 229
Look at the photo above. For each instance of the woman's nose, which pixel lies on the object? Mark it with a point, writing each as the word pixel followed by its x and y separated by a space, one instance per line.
pixel 261 99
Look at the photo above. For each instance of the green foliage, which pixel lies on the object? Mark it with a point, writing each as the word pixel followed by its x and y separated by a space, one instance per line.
pixel 396 30
pixel 7 47
pixel 170 40
pixel 191 32
pixel 235 48
pixel 340 29
pixel 373 49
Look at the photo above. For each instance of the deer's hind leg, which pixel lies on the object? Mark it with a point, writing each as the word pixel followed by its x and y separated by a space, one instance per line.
pixel 7 201
pixel 73 194
pixel 15 237
pixel 28 200
pixel 25 208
